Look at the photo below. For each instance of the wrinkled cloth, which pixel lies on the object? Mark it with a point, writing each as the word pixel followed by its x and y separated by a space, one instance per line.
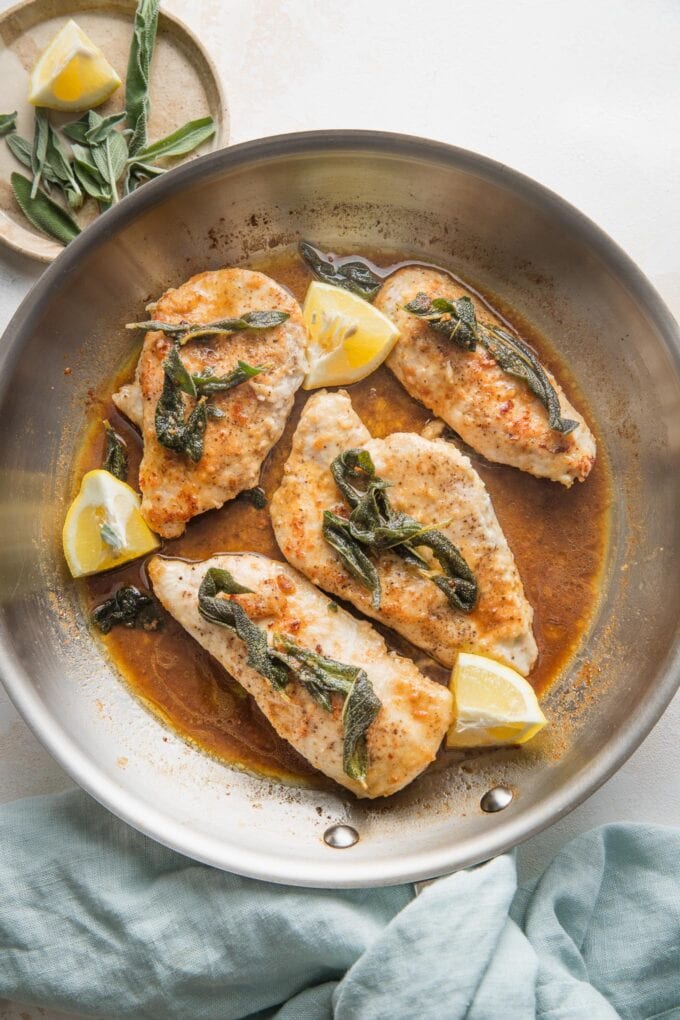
pixel 99 920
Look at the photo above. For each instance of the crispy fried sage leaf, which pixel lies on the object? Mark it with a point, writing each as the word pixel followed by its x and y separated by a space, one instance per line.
pixel 42 212
pixel 129 607
pixel 286 661
pixel 373 527
pixel 173 430
pixel 257 496
pixel 354 275
pixel 8 123
pixel 180 143
pixel 458 322
pixel 137 77
pixel 115 454
pixel 359 711
pixel 231 614
pixel 185 331
pixel 206 383
pixel 335 530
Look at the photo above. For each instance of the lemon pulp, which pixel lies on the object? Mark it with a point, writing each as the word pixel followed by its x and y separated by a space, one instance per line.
pixel 348 337
pixel 104 526
pixel 493 704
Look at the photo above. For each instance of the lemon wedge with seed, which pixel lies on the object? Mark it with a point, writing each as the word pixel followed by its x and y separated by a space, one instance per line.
pixel 493 704
pixel 348 337
pixel 72 74
pixel 104 526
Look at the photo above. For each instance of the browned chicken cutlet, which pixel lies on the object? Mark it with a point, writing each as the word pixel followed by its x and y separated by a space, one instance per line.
pixel 432 481
pixel 174 488
pixel 494 412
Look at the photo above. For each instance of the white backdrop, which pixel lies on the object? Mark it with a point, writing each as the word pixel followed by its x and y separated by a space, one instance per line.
pixel 582 95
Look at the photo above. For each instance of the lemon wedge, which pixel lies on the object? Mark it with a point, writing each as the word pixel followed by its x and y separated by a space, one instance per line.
pixel 493 705
pixel 72 73
pixel 348 337
pixel 104 526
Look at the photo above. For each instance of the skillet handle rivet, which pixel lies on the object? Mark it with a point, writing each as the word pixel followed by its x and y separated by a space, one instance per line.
pixel 339 837
pixel 495 799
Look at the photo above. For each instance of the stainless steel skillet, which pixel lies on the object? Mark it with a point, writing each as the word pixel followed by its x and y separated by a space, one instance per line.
pixel 353 189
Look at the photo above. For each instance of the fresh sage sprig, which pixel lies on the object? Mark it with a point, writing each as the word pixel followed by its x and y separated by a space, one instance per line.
pixel 286 661
pixel 182 332
pixel 104 161
pixel 128 607
pixel 373 527
pixel 137 104
pixel 354 275
pixel 115 454
pixel 41 132
pixel 179 143
pixel 42 212
pixel 457 321
pixel 8 123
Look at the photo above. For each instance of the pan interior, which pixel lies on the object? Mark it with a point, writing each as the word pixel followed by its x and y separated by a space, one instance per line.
pixel 495 228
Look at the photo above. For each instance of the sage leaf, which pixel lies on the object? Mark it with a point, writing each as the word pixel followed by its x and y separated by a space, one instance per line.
pixel 374 527
pixel 110 159
pixel 59 163
pixel 8 123
pixel 517 359
pixel 285 661
pixel 177 371
pixel 458 322
pixel 115 454
pixel 99 128
pixel 354 276
pixel 227 613
pixel 180 143
pixel 206 383
pixel 22 151
pixel 184 436
pixel 185 331
pixel 76 130
pixel 129 607
pixel 335 530
pixel 39 151
pixel 359 712
pixel 42 212
pixel 257 496
pixel 137 78
pixel 91 182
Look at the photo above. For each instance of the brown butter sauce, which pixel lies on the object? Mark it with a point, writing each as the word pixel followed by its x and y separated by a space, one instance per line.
pixel 558 537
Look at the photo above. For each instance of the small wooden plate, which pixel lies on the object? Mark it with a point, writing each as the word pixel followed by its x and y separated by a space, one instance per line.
pixel 184 85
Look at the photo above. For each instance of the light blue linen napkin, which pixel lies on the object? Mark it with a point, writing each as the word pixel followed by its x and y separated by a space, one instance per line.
pixel 99 920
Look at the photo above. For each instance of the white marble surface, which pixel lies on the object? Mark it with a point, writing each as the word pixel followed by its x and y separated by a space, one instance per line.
pixel 580 94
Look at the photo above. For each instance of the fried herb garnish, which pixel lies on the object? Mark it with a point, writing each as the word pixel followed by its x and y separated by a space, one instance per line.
pixel 257 496
pixel 286 661
pixel 185 435
pixel 373 527
pixel 128 607
pixel 115 454
pixel 182 332
pixel 458 322
pixel 353 275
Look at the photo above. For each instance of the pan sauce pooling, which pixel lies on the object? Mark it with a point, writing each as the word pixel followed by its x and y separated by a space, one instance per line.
pixel 557 538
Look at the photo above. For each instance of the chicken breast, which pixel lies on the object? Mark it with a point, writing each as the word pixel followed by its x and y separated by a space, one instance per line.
pixel 434 483
pixel 174 488
pixel 415 712
pixel 495 413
